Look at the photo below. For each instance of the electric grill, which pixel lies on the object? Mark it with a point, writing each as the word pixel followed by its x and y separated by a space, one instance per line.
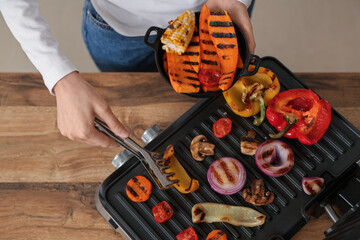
pixel 334 158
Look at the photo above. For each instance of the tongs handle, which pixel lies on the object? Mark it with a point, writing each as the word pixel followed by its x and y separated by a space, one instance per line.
pixel 103 128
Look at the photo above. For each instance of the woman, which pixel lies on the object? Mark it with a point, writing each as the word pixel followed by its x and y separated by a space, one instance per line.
pixel 113 33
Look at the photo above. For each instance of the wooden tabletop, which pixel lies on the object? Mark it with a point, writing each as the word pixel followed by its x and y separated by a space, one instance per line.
pixel 47 182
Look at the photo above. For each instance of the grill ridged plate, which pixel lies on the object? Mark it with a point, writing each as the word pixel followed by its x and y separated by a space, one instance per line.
pixel 331 157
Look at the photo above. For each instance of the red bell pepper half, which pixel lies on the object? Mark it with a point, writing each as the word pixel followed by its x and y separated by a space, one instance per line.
pixel 299 113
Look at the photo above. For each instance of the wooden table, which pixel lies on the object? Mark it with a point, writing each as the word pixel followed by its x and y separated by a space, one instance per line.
pixel 47 182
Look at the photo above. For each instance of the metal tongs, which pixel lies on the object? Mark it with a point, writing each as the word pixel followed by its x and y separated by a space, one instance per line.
pixel 149 159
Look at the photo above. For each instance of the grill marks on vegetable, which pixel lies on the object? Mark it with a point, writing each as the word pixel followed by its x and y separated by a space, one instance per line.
pixel 226 173
pixel 138 189
pixel 208 54
pixel 223 36
pixel 216 50
pixel 199 211
pixel 220 24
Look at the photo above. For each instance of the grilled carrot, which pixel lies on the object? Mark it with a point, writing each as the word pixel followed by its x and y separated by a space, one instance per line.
pixel 138 189
pixel 216 235
pixel 193 50
pixel 208 55
pixel 183 77
pixel 222 32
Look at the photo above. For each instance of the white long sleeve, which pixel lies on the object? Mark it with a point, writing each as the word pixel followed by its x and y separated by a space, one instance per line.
pixel 33 33
pixel 133 18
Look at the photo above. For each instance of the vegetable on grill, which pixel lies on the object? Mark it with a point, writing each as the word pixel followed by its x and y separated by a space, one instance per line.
pixel 248 144
pixel 299 113
pixel 256 194
pixel 138 189
pixel 186 184
pixel 216 235
pixel 235 215
pixel 162 212
pixel 226 176
pixel 222 127
pixel 187 234
pixel 178 34
pixel 274 158
pixel 312 185
pixel 251 94
pixel 200 148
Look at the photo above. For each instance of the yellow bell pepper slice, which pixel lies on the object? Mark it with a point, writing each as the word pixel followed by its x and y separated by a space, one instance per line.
pixel 234 95
pixel 186 184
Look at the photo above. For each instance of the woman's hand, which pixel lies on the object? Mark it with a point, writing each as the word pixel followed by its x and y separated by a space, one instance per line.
pixel 239 15
pixel 78 104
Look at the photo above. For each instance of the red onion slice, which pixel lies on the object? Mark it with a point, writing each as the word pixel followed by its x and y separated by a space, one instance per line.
pixel 274 158
pixel 312 185
pixel 226 176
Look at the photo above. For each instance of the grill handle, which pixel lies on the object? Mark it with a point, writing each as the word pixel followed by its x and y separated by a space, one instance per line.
pixel 154 45
pixel 254 60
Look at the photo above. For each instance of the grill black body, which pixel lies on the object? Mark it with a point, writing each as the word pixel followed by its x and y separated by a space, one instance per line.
pixel 332 158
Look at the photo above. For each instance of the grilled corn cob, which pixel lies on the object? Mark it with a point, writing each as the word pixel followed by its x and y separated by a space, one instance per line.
pixel 178 34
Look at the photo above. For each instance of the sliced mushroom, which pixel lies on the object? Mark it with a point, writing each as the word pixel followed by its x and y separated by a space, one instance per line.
pixel 200 148
pixel 249 144
pixel 256 195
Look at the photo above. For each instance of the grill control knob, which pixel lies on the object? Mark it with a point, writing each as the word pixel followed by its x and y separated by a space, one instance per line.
pixel 150 133
pixel 121 158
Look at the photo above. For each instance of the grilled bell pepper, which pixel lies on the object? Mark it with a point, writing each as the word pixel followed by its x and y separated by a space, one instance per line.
pixel 250 94
pixel 299 113
pixel 186 184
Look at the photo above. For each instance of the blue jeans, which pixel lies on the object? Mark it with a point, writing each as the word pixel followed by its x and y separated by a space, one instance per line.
pixel 113 52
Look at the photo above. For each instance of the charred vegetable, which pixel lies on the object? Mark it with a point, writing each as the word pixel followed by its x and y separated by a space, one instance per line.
pixel 222 127
pixel 222 32
pixel 251 94
pixel 187 234
pixel 186 184
pixel 178 34
pixel 216 235
pixel 182 75
pixel 312 185
pixel 249 144
pixel 138 189
pixel 211 56
pixel 226 176
pixel 162 212
pixel 256 194
pixel 200 148
pixel 274 158
pixel 210 60
pixel 299 113
pixel 235 215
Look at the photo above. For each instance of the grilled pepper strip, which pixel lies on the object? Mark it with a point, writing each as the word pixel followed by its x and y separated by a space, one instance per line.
pixel 241 99
pixel 186 184
pixel 312 115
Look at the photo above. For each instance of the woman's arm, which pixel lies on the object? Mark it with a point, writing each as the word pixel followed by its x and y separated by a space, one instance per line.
pixel 77 101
